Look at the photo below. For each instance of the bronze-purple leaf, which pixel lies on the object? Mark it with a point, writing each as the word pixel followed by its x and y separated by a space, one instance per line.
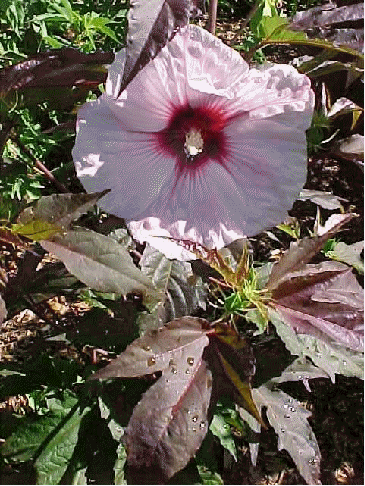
pixel 302 251
pixel 180 343
pixel 150 26
pixel 65 67
pixel 170 422
pixel 323 300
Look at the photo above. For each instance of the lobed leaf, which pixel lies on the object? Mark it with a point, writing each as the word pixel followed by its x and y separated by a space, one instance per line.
pixel 329 356
pixel 290 421
pixel 179 343
pixel 101 263
pixel 324 300
pixel 170 422
pixel 302 251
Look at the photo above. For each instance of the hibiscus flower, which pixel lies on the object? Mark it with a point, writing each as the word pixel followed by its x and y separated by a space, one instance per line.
pixel 198 146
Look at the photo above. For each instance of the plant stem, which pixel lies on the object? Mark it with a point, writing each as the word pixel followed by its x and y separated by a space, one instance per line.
pixel 61 187
pixel 212 12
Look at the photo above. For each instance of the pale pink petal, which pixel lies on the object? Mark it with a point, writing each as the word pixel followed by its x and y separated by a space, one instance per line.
pixel 275 89
pixel 195 66
pixel 108 157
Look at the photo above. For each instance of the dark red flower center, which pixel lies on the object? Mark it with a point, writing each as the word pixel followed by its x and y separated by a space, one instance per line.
pixel 194 136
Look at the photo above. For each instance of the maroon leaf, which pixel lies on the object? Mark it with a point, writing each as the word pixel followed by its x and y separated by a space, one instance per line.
pixel 151 25
pixel 170 422
pixel 63 67
pixel 343 25
pixel 323 300
pixel 302 251
pixel 179 344
pixel 327 15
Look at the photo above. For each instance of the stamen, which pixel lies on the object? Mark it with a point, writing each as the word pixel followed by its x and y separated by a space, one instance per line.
pixel 194 143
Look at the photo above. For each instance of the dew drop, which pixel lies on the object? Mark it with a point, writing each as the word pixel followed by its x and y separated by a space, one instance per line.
pixel 202 425
pixel 287 416
pixel 344 363
pixel 190 361
pixel 292 409
pixel 147 348
pixel 173 371
pixel 151 361
pixel 195 418
pixel 187 372
pixel 167 380
pixel 194 429
pixel 282 431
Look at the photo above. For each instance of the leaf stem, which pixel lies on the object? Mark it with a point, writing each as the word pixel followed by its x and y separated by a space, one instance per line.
pixel 61 187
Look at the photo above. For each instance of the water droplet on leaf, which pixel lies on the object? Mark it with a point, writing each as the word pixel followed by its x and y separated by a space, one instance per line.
pixel 195 418
pixel 151 361
pixel 147 348
pixel 190 361
pixel 173 371
pixel 187 372
pixel 202 425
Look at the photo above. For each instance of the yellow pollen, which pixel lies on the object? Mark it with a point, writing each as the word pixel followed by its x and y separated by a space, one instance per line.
pixel 194 143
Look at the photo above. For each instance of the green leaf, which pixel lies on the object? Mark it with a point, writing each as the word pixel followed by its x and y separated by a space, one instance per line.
pixel 53 461
pixel 349 254
pixel 221 429
pixel 32 432
pixel 119 465
pixel 36 230
pixel 209 477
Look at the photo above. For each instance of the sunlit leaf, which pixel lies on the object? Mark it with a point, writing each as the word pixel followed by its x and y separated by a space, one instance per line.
pixel 324 300
pixel 350 148
pixel 290 421
pixel 329 356
pixel 302 251
pixel 300 370
pixel 36 230
pixel 326 200
pixel 350 254
pixel 120 465
pixel 169 423
pixel 179 343
pixel 101 263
